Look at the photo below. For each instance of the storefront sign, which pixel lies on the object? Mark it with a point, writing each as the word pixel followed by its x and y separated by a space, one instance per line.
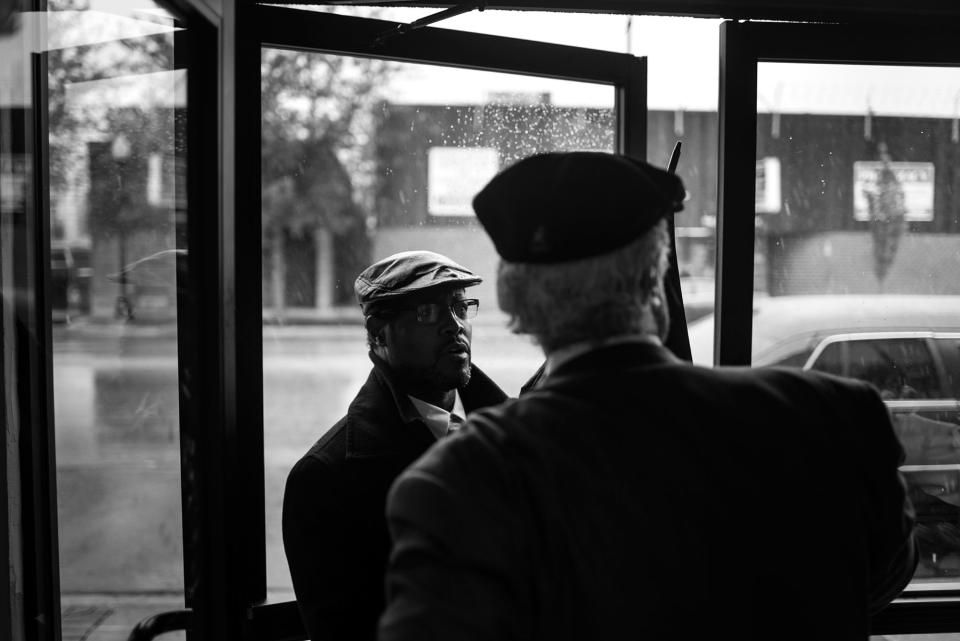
pixel 767 196
pixel 455 175
pixel 915 179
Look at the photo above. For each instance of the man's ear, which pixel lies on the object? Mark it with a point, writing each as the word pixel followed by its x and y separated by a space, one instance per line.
pixel 376 327
pixel 656 298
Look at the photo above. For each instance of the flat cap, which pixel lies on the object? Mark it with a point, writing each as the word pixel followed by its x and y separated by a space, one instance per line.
pixel 558 207
pixel 405 273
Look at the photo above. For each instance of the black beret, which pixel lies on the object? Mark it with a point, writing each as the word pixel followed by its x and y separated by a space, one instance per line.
pixel 387 280
pixel 557 207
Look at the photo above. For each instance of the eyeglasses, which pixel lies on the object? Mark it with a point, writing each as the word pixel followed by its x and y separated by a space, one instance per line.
pixel 462 308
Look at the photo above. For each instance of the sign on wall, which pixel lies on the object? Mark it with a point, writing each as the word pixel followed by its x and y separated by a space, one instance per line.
pixel 914 178
pixel 767 199
pixel 455 175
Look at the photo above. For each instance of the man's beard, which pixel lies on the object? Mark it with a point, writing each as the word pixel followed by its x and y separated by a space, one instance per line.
pixel 446 380
pixel 435 378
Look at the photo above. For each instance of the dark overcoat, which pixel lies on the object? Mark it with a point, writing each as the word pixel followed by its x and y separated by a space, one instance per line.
pixel 334 529
pixel 636 496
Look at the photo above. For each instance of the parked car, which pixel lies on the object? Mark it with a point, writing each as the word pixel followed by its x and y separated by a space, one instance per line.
pixel 787 329
pixel 908 347
pixel 149 287
pixel 70 274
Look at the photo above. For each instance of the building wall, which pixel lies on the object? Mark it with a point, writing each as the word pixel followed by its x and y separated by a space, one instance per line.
pixel 467 245
pixel 407 133
pixel 817 154
pixel 813 244
pixel 842 262
pixel 697 131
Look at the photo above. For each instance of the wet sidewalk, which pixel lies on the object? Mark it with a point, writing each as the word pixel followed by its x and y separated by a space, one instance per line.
pixel 98 617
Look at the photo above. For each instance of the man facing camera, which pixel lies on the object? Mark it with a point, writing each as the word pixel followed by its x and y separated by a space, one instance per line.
pixel 632 495
pixel 421 387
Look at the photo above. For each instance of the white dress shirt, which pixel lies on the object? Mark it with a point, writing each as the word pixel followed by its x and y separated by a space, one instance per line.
pixel 437 418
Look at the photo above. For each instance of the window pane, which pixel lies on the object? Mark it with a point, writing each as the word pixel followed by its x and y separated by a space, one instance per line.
pixel 682 106
pixel 357 169
pixel 899 368
pixel 829 361
pixel 117 210
pixel 17 223
pixel 857 248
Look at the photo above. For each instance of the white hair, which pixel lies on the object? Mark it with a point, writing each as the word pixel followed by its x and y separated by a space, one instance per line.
pixel 589 299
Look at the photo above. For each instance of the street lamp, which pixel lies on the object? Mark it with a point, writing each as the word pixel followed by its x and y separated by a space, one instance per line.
pixel 120 152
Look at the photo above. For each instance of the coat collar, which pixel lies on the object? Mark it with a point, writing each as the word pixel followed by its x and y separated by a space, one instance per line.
pixel 611 358
pixel 570 352
pixel 382 420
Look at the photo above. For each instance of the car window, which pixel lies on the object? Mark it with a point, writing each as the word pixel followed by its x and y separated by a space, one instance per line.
pixel 794 359
pixel 901 368
pixel 830 360
pixel 949 349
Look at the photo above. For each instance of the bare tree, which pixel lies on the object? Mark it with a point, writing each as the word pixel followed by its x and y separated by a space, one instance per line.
pixel 318 111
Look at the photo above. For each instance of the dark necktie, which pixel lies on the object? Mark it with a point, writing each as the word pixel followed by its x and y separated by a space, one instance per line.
pixel 455 424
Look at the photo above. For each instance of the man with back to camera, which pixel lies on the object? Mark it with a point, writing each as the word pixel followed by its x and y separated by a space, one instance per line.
pixel 422 384
pixel 632 495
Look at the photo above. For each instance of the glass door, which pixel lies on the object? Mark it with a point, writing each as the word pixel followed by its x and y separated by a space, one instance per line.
pixel 839 239
pixel 97 215
pixel 374 142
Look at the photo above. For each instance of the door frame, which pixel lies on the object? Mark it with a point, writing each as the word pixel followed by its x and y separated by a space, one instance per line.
pixel 742 46
pixel 200 51
pixel 285 28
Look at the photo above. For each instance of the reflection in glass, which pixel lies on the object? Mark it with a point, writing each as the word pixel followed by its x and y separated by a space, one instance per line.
pixel 117 209
pixel 856 257
pixel 364 158
pixel 17 224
